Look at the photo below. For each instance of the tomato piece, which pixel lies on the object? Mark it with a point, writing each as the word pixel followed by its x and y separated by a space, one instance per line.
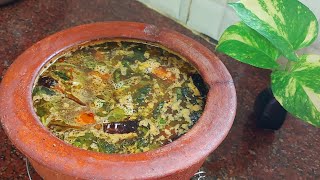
pixel 86 118
pixel 164 74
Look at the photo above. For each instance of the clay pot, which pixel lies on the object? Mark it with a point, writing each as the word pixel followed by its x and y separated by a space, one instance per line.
pixel 54 159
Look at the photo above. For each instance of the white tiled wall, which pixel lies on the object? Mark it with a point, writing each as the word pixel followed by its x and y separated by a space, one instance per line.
pixel 212 17
pixel 229 18
pixel 167 7
pixel 205 19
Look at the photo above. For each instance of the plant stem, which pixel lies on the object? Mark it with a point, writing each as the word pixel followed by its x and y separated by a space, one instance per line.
pixel 282 61
pixel 289 65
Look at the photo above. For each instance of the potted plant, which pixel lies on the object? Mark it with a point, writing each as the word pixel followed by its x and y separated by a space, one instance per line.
pixel 270 29
pixel 54 159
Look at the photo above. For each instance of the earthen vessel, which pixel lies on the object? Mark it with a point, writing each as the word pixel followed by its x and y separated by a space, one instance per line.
pixel 54 159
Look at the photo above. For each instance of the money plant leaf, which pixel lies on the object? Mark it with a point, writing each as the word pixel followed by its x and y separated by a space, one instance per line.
pixel 248 46
pixel 298 90
pixel 287 24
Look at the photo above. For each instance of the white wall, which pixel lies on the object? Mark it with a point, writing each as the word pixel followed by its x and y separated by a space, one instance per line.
pixel 212 17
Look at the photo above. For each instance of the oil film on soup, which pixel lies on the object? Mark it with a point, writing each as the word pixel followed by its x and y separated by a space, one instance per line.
pixel 119 96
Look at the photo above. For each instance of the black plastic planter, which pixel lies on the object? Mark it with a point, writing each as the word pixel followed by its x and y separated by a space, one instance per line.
pixel 270 114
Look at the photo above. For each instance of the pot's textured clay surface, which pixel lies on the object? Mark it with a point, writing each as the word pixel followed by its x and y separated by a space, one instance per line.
pixel 53 158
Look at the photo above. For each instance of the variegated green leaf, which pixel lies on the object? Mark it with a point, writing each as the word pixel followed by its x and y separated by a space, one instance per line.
pixel 298 91
pixel 287 24
pixel 246 45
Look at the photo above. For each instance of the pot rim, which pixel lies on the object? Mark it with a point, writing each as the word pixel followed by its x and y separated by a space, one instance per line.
pixel 36 142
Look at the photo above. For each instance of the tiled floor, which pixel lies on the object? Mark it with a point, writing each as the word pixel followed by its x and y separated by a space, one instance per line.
pixel 293 152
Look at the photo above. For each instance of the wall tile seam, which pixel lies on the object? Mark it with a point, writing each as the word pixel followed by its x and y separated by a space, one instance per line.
pixel 184 12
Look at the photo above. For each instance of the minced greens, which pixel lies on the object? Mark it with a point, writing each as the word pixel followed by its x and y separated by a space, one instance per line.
pixel 119 97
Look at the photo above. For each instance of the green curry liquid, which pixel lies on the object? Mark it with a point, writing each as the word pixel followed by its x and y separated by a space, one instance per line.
pixel 119 97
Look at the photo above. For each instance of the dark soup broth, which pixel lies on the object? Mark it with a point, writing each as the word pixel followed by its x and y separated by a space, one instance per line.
pixel 119 97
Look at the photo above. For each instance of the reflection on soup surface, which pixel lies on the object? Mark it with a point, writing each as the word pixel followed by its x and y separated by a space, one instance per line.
pixel 119 97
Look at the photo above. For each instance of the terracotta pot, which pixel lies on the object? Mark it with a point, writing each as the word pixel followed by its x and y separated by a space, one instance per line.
pixel 54 159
